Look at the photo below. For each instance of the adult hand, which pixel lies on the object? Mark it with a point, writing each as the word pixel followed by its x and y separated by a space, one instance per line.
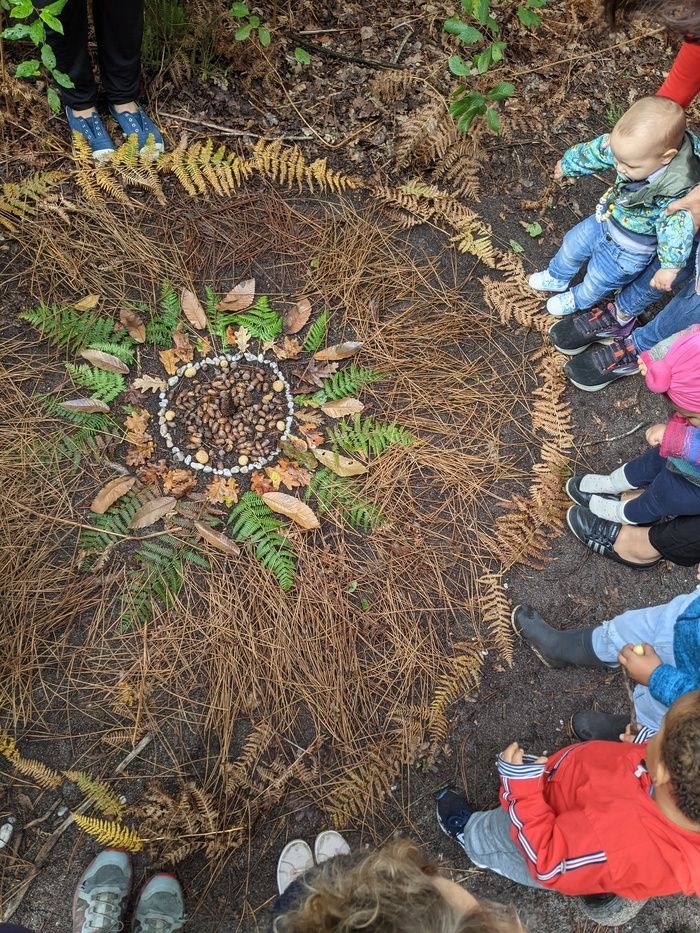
pixel 639 666
pixel 513 755
pixel 690 203
pixel 558 172
pixel 655 434
pixel 663 279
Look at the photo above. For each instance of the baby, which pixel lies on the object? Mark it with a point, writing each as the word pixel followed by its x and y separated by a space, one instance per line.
pixel 656 164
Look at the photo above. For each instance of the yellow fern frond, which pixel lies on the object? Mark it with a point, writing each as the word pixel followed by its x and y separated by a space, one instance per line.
pixel 100 795
pixel 495 611
pixel 192 165
pixel 128 153
pixel 8 746
pixel 460 681
pixel 82 153
pixel 36 771
pixel 109 833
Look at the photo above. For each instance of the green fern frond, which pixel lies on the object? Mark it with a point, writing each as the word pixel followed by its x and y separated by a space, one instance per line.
pixel 211 307
pixel 346 382
pixel 253 522
pixel 159 329
pixel 367 436
pixel 317 333
pixel 68 327
pixel 109 528
pixel 337 492
pixel 100 795
pixel 101 384
pixel 260 320
pixel 66 447
pixel 123 351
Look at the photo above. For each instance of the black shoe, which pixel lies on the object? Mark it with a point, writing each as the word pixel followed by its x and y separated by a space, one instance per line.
pixel 602 365
pixel 453 812
pixel 600 535
pixel 574 333
pixel 589 725
pixel 610 910
pixel 553 647
pixel 577 495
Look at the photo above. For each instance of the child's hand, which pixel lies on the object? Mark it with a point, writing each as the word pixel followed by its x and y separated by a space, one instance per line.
pixel 558 171
pixel 629 734
pixel 663 279
pixel 655 434
pixel 639 666
pixel 513 755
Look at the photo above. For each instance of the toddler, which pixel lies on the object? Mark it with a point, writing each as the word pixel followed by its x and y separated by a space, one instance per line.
pixel 669 473
pixel 656 164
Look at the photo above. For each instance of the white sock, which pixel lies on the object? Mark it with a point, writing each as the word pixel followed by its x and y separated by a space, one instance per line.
pixel 610 509
pixel 611 484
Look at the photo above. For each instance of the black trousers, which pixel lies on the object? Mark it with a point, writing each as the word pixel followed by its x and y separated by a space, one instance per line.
pixel 677 540
pixel 119 31
pixel 11 928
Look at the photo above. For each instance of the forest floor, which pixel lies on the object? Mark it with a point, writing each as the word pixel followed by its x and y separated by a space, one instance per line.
pixel 573 77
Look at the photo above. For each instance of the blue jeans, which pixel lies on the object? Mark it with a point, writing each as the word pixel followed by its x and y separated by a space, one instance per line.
pixel 653 625
pixel 682 311
pixel 609 265
pixel 665 492
pixel 487 841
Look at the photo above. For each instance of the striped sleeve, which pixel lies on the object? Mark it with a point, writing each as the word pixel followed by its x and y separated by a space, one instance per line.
pixel 562 850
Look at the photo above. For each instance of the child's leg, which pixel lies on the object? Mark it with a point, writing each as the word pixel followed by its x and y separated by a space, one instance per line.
pixel 609 268
pixel 576 248
pixel 637 295
pixel 682 311
pixel 487 841
pixel 667 494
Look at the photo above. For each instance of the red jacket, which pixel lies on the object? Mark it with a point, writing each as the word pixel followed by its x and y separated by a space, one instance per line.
pixel 683 80
pixel 587 824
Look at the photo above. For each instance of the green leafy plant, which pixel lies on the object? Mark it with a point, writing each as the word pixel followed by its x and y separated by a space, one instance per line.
pixel 335 492
pixel 533 229
pixel 250 25
pixel 368 437
pixel 261 320
pixel 108 529
pixel 482 30
pixel 100 384
pixel 160 327
pixel 346 382
pixel 123 351
pixel 317 333
pixel 32 28
pixel 253 522
pixel 69 328
pixel 80 436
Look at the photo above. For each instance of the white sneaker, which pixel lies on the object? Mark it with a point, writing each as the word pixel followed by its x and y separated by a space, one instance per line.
pixel 102 892
pixel 160 907
pixel 328 844
pixel 561 305
pixel 544 282
pixel 295 860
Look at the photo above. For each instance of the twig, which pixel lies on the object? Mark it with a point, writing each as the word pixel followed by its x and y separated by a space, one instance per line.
pixel 223 129
pixel 402 46
pixel 44 852
pixel 617 437
pixel 577 58
pixel 331 53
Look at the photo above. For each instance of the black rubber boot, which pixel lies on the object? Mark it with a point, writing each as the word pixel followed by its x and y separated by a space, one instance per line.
pixel 553 647
pixel 589 725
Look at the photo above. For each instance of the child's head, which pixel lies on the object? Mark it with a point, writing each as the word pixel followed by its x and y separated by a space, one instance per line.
pixel 647 136
pixel 677 373
pixel 673 754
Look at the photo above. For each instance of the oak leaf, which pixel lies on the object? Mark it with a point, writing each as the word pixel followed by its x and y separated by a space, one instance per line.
pixel 169 361
pixel 184 351
pixel 291 474
pixel 86 405
pixel 137 456
pixel 203 346
pixel 217 539
pixel 192 309
pixel 151 473
pixel 179 482
pixel 343 407
pixel 109 493
pixel 240 297
pixel 152 511
pixel 241 338
pixel 87 303
pixel 290 349
pixel 134 325
pixel 148 383
pixel 223 490
pixel 293 508
pixel 341 466
pixel 312 437
pixel 341 351
pixel 314 374
pixel 106 361
pixel 137 420
pixel 260 483
pixel 297 316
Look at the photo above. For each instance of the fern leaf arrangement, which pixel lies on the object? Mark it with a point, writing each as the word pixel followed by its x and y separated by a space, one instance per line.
pixel 317 333
pixel 102 385
pixel 123 350
pixel 253 522
pixel 160 327
pixel 261 320
pixel 348 381
pixel 496 613
pixel 335 492
pixel 369 437
pixel 69 328
pixel 108 833
pixel 18 200
pixel 82 434
pixel 100 795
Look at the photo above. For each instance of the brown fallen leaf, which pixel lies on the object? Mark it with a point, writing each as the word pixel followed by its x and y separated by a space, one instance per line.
pixel 291 349
pixel 86 405
pixel 137 456
pixel 341 466
pixel 169 361
pixel 307 416
pixel 222 490
pixel 183 349
pixel 315 373
pixel 148 383
pixel 106 361
pixel 179 482
pixel 293 508
pixel 109 493
pixel 87 303
pixel 192 309
pixel 152 473
pixel 343 407
pixel 341 351
pixel 217 540
pixel 136 422
pixel 135 327
pixel 312 437
pixel 242 339
pixel 297 316
pixel 240 297
pixel 260 483
pixel 152 511
pixel 288 473
pixel 203 346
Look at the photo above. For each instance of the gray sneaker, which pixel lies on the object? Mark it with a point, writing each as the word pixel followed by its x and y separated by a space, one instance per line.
pixel 102 893
pixel 160 907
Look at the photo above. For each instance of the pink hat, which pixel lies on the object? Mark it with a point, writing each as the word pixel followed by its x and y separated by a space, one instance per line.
pixel 677 373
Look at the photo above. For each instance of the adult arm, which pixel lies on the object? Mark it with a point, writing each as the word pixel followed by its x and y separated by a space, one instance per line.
pixel 683 80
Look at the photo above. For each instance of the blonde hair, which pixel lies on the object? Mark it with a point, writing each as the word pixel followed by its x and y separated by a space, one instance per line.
pixel 387 891
pixel 661 120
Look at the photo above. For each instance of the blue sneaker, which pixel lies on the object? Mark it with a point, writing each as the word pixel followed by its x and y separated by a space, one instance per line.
pixel 102 892
pixel 160 907
pixel 94 131
pixel 453 812
pixel 141 124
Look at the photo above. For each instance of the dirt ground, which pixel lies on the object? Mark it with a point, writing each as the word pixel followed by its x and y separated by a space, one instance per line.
pixel 527 702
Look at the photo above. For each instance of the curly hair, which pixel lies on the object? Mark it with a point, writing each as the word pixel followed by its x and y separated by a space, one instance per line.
pixel 387 891
pixel 682 17
pixel 679 750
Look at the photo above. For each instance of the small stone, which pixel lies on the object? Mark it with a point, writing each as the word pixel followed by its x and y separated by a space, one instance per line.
pixel 280 425
pixel 178 456
pixel 176 450
pixel 168 442
pixel 188 459
pixel 242 460
pixel 226 472
pixel 169 415
pixel 202 456
pixel 164 430
pixel 196 466
pixel 224 364
pixel 190 371
pixel 162 396
pixel 173 381
pixel 278 385
pixel 208 469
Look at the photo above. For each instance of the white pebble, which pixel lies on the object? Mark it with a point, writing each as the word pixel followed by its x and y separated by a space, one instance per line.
pixel 224 472
pixel 168 442
pixel 188 459
pixel 178 456
pixel 232 471
pixel 196 466
pixel 173 381
pixel 164 430
pixel 176 450
pixel 162 395
pixel 208 469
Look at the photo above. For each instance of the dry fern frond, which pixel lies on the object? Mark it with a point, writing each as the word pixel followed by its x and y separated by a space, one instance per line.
pixel 36 771
pixel 204 805
pixel 8 746
pixel 326 179
pixel 100 795
pixel 462 679
pixel 408 209
pixel 459 168
pixel 349 800
pixel 521 536
pixel 425 135
pixel 496 612
pixel 390 86
pixel 239 771
pixel 507 300
pixel 112 834
pixel 19 200
pixel 286 166
pixel 118 737
pixel 175 162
